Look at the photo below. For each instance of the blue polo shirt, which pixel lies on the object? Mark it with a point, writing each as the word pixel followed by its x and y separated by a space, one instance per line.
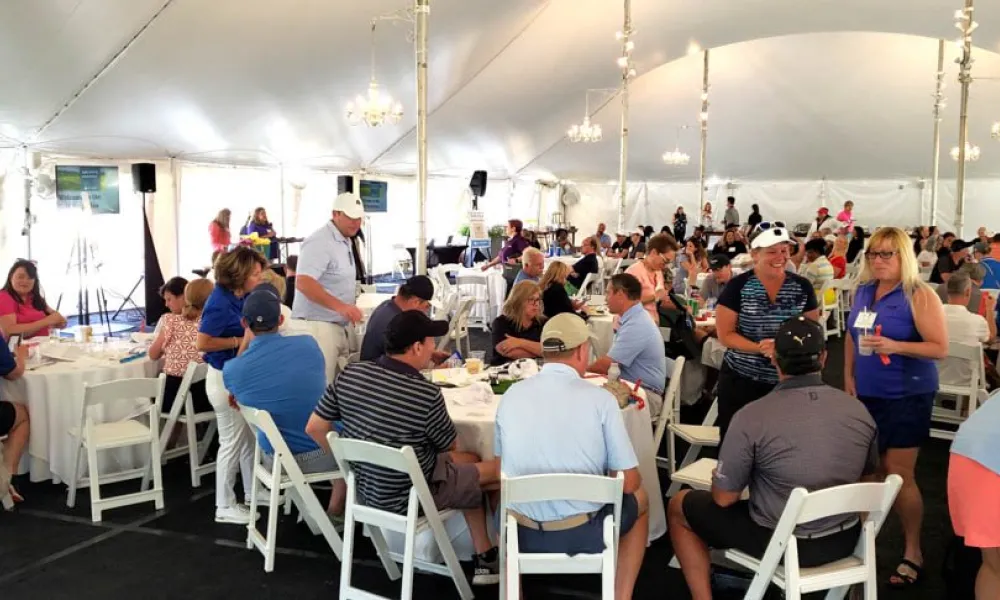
pixel 221 318
pixel 522 276
pixel 289 390
pixel 326 256
pixel 638 350
pixel 977 437
pixel 557 422
pixel 7 361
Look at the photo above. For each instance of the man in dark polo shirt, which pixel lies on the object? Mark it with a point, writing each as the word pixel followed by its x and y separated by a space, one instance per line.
pixel 803 434
pixel 950 261
pixel 414 294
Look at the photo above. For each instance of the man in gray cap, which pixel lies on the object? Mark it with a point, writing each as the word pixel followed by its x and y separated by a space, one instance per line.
pixel 415 294
pixel 803 434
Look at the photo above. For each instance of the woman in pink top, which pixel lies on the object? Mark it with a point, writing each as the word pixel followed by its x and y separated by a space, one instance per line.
pixel 846 216
pixel 218 230
pixel 660 251
pixel 175 342
pixel 23 310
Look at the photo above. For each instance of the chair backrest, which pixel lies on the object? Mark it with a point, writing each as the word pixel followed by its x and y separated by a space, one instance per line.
pixel 124 389
pixel 261 421
pixel 671 411
pixel 587 281
pixel 562 486
pixel 973 354
pixel 194 373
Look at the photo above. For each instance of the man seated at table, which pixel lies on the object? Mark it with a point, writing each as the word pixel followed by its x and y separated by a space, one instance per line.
pixel 638 344
pixel 602 240
pixel 288 392
pixel 586 265
pixel 721 272
pixel 963 327
pixel 976 273
pixel 532 266
pixel 803 434
pixel 817 268
pixel 534 435
pixel 411 412
pixel 13 420
pixel 621 246
pixel 415 294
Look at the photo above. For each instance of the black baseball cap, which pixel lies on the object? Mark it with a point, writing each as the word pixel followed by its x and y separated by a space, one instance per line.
pixel 262 308
pixel 409 327
pixel 419 286
pixel 718 261
pixel 800 336
pixel 959 245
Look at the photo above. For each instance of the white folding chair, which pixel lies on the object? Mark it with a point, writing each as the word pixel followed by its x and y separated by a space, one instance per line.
pixel 871 501
pixel 401 261
pixel 585 286
pixel 195 449
pixel 285 474
pixel 543 488
pixel 670 411
pixel 476 288
pixel 692 471
pixel 458 329
pixel 969 395
pixel 611 268
pixel 830 311
pixel 95 437
pixel 403 460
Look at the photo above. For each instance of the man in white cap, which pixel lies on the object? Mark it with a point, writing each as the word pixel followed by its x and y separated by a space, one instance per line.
pixel 325 283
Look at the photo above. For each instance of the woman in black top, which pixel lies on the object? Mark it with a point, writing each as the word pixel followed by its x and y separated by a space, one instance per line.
pixel 555 298
pixel 730 244
pixel 754 219
pixel 680 224
pixel 857 244
pixel 517 332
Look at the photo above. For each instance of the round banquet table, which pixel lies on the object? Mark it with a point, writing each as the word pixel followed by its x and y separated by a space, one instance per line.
pixel 602 326
pixel 366 303
pixel 474 421
pixel 54 397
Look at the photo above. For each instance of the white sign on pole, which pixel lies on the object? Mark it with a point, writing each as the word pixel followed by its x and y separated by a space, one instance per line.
pixel 479 236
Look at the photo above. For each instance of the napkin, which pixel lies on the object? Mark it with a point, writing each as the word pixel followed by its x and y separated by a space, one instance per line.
pixel 523 368
pixel 478 393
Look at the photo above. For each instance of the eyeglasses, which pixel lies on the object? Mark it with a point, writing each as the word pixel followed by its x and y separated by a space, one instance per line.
pixel 534 300
pixel 885 255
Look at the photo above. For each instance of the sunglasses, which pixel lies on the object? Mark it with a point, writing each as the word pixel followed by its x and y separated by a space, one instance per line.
pixel 764 226
pixel 886 255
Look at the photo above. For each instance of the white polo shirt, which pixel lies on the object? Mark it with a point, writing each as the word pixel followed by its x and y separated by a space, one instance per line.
pixel 963 327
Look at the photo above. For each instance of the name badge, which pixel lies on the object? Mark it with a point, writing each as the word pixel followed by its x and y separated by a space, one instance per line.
pixel 865 320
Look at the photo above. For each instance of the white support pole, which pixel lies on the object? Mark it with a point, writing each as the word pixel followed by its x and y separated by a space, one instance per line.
pixel 29 219
pixel 938 106
pixel 965 79
pixel 626 76
pixel 421 10
pixel 703 119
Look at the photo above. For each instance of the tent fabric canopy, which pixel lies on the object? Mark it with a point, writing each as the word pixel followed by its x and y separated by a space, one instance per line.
pixel 840 89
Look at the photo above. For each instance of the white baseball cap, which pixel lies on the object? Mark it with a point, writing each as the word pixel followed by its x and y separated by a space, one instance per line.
pixel 350 204
pixel 771 237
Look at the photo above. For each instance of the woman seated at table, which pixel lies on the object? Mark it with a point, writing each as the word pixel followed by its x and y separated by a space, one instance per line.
pixel 13 422
pixel 176 343
pixel 562 247
pixel 517 332
pixel 172 293
pixel 690 263
pixel 555 298
pixel 23 310
pixel 730 244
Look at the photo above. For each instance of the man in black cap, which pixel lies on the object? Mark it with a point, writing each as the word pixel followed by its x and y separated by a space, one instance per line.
pixel 803 434
pixel 722 273
pixel 390 402
pixel 950 261
pixel 415 294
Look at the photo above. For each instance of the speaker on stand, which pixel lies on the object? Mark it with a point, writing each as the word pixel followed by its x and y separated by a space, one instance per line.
pixel 477 185
pixel 144 182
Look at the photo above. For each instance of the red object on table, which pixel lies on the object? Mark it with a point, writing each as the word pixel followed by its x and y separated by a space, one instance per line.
pixel 882 357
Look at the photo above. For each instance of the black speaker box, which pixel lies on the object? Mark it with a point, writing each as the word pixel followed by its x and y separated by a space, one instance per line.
pixel 144 178
pixel 478 184
pixel 345 184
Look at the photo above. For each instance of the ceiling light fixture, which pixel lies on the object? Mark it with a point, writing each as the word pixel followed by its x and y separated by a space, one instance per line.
pixel 587 131
pixel 972 153
pixel 376 108
pixel 676 158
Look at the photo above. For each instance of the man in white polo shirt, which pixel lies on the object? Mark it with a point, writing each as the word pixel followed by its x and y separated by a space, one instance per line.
pixel 325 284
pixel 557 422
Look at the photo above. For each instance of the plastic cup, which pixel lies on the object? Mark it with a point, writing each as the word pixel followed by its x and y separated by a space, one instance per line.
pixel 862 349
pixel 474 363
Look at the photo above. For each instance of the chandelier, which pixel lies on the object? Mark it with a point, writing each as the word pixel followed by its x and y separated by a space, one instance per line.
pixel 972 153
pixel 995 131
pixel 588 131
pixel 676 158
pixel 374 108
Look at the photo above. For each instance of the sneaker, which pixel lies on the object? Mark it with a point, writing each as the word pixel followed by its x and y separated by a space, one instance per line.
pixel 486 568
pixel 237 515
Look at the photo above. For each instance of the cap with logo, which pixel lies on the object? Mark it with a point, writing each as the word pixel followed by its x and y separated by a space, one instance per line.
pixel 410 327
pixel 564 332
pixel 262 308
pixel 799 336
pixel 718 261
pixel 350 204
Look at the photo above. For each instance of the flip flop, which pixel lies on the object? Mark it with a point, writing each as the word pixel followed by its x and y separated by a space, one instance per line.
pixel 906 580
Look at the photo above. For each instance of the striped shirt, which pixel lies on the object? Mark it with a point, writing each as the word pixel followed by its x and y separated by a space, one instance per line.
pixel 758 319
pixel 389 403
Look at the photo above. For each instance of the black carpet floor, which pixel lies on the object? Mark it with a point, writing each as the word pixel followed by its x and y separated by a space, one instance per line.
pixel 50 551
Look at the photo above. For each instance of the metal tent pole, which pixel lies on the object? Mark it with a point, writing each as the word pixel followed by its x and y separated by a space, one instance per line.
pixel 422 9
pixel 627 72
pixel 966 23
pixel 703 119
pixel 938 106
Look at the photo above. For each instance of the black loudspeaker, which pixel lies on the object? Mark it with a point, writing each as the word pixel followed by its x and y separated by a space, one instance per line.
pixel 345 184
pixel 478 184
pixel 144 178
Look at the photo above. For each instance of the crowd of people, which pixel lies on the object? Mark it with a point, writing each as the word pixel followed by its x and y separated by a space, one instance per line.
pixel 781 426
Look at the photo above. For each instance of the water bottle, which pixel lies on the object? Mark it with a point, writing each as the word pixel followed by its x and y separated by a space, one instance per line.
pixel 613 373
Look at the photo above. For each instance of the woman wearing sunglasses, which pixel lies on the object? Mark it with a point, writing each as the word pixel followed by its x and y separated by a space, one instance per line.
pixel 897 332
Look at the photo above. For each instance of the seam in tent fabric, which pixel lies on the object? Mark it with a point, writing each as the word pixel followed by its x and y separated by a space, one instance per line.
pixel 467 82
pixel 104 69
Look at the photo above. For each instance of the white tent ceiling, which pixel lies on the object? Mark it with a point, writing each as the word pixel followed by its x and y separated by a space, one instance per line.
pixel 264 81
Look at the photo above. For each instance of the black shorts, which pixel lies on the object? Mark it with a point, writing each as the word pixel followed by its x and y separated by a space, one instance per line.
pixel 901 422
pixel 7 416
pixel 583 539
pixel 732 528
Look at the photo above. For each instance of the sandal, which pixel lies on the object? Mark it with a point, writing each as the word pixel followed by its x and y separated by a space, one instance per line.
pixel 906 580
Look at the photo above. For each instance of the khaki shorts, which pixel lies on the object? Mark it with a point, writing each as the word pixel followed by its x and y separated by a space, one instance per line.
pixel 455 485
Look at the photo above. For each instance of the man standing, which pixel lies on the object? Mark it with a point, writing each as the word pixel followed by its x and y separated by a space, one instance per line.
pixel 415 294
pixel 603 239
pixel 325 284
pixel 803 434
pixel 533 436
pixel 950 261
pixel 731 216
pixel 532 266
pixel 721 273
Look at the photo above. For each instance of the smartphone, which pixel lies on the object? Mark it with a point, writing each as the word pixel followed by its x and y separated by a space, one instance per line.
pixel 14 342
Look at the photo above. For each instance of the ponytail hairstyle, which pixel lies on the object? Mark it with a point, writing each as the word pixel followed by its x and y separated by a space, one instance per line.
pixel 196 293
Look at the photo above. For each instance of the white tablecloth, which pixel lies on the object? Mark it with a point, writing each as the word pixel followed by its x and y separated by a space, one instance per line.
pixel 366 303
pixel 54 397
pixel 489 299
pixel 602 326
pixel 475 425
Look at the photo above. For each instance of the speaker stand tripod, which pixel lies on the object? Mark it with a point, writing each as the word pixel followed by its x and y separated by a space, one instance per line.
pixel 83 255
pixel 128 300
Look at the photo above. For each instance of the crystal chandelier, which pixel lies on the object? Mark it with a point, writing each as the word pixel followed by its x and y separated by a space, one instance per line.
pixel 375 108
pixel 587 131
pixel 676 158
pixel 972 153
pixel 995 131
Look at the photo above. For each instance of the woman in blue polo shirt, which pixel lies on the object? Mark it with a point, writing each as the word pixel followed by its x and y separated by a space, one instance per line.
pixel 220 337
pixel 892 370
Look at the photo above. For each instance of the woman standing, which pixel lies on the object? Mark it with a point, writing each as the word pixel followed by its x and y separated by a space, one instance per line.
pixel 555 298
pixel 706 217
pixel 660 251
pixel 754 219
pixel 218 231
pixel 856 244
pixel 221 337
pixel 23 310
pixel 846 216
pixel 264 229
pixel 517 332
pixel 751 308
pixel 838 257
pixel 680 224
pixel 890 366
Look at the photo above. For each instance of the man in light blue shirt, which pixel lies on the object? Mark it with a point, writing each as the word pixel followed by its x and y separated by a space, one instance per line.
pixel 532 266
pixel 603 239
pixel 638 345
pixel 534 435
pixel 326 286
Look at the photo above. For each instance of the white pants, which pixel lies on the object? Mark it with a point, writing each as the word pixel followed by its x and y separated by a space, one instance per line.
pixel 336 341
pixel 236 443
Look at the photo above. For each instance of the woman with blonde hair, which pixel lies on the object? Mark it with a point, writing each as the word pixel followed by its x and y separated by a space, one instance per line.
pixel 555 298
pixel 838 257
pixel 221 337
pixel 517 332
pixel 890 365
pixel 218 231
